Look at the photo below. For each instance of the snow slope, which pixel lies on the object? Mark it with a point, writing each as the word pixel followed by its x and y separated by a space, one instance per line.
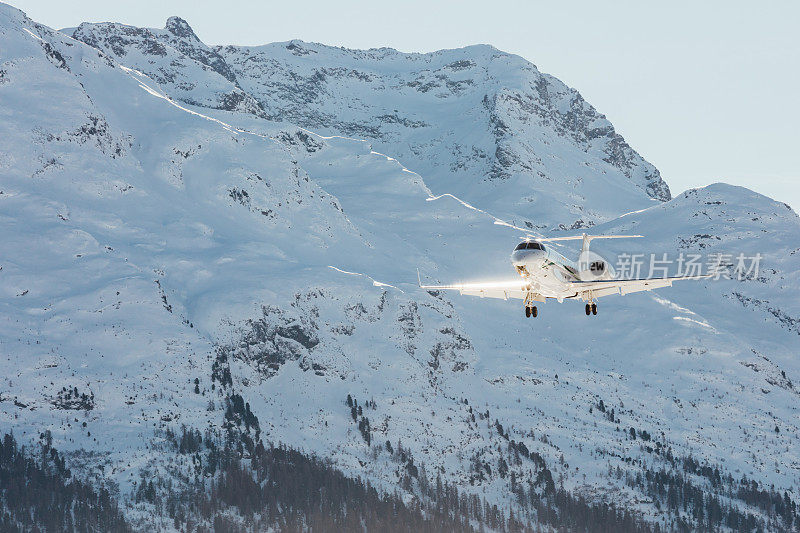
pixel 150 242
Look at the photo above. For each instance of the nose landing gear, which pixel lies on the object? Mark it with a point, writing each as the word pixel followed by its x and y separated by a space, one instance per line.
pixel 530 309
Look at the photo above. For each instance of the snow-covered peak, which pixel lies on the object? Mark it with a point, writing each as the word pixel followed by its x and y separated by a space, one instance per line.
pixel 526 132
pixel 180 28
pixel 741 197
pixel 725 213
pixel 205 79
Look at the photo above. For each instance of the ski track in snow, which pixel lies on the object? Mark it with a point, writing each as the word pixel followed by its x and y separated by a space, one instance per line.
pixel 638 211
pixel 135 74
pixel 373 280
pixel 673 305
pixel 432 197
pixel 33 35
pixel 497 221
pixel 704 324
pixel 332 136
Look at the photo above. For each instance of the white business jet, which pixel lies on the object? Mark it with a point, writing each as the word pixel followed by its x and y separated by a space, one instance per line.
pixel 546 273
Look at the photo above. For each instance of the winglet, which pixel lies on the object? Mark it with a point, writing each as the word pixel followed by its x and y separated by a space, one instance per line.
pixel 419 279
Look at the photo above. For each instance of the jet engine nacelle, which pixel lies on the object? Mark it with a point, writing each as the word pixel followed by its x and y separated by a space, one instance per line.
pixel 592 267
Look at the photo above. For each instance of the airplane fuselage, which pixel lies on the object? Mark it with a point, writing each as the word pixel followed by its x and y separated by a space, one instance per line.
pixel 550 274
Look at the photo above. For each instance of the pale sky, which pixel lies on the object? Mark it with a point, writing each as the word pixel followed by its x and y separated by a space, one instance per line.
pixel 706 91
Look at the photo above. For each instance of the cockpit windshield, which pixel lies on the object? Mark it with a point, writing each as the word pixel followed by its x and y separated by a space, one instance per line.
pixel 529 246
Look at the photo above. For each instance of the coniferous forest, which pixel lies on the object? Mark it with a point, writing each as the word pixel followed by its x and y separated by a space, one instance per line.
pixel 243 484
pixel 39 493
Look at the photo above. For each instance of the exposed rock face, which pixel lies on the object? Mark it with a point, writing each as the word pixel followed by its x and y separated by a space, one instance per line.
pixel 181 29
pixel 175 58
pixel 472 121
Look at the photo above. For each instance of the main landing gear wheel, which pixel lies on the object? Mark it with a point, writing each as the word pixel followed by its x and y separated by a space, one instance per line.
pixel 594 309
pixel 531 311
pixel 527 311
pixel 534 311
pixel 588 309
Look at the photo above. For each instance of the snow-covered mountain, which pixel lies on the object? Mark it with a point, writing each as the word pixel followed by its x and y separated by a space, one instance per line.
pixel 185 225
pixel 476 122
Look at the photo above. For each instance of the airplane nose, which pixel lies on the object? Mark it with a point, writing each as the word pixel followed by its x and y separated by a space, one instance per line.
pixel 525 257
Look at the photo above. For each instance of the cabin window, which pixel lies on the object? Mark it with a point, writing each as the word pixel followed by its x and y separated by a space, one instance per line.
pixel 529 246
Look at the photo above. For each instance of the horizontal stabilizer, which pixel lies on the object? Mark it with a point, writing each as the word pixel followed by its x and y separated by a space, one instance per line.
pixel 588 237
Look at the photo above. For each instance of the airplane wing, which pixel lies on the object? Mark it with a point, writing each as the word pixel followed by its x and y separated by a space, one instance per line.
pixel 626 286
pixel 505 289
pixel 518 288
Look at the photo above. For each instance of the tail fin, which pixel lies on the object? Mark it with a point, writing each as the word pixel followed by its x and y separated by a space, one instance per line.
pixel 589 238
